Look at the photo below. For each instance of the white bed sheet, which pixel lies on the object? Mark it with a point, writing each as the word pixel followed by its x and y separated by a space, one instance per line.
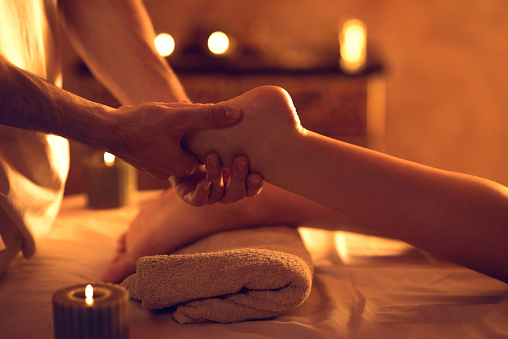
pixel 364 287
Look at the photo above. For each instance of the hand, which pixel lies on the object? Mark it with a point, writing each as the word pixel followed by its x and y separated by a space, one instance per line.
pixel 215 184
pixel 150 134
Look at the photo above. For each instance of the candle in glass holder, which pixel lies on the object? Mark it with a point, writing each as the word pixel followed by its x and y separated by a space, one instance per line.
pixel 91 311
pixel 109 182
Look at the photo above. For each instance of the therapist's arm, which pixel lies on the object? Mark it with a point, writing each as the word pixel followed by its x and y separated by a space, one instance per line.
pixel 139 134
pixel 115 38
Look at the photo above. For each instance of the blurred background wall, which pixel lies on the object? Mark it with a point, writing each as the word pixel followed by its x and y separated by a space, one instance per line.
pixel 445 61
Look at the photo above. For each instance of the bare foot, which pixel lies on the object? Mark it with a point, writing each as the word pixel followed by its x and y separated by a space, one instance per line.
pixel 268 117
pixel 168 223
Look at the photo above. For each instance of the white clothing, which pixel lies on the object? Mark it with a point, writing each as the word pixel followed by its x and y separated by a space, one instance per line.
pixel 33 166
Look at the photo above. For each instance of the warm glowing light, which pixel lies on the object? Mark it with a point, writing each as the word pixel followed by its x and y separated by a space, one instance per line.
pixel 353 46
pixel 109 159
pixel 165 44
pixel 218 43
pixel 354 248
pixel 2 244
pixel 89 291
pixel 89 294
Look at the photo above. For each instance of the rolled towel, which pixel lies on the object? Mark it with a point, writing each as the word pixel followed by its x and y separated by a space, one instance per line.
pixel 232 276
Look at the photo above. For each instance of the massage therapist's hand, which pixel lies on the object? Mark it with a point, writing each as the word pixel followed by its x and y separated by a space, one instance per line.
pixel 213 184
pixel 148 136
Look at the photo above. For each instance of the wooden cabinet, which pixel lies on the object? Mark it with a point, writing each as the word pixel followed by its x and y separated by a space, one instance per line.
pixel 349 108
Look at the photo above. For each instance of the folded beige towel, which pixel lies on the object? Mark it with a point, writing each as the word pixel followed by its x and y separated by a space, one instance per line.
pixel 233 276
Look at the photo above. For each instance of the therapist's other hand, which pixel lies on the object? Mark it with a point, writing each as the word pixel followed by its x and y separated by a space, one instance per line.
pixel 214 184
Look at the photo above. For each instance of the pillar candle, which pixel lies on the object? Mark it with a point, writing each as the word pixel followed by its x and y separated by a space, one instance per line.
pixel 109 182
pixel 104 315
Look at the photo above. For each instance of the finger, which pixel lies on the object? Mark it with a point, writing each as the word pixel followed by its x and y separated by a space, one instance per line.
pixel 225 176
pixel 236 189
pixel 199 196
pixel 214 175
pixel 119 268
pixel 188 182
pixel 254 184
pixel 208 116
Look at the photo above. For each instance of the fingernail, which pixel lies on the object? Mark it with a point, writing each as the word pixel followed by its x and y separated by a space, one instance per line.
pixel 254 181
pixel 214 161
pixel 241 164
pixel 232 113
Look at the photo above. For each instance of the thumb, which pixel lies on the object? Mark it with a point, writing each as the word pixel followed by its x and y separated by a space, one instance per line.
pixel 210 116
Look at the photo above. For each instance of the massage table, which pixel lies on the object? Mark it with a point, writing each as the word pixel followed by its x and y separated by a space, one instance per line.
pixel 363 287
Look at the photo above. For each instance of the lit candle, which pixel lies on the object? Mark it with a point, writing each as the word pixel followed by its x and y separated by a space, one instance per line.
pixel 109 182
pixel 109 159
pixel 353 46
pixel 165 44
pixel 91 311
pixel 89 295
pixel 220 44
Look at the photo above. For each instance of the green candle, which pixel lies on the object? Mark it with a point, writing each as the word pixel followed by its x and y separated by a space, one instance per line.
pixel 109 182
pixel 91 311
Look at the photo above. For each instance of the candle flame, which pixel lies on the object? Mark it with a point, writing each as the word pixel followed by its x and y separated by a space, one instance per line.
pixel 165 44
pixel 353 46
pixel 89 291
pixel 218 43
pixel 89 294
pixel 109 159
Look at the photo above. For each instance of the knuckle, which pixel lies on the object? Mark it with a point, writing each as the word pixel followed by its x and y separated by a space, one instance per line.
pixel 210 114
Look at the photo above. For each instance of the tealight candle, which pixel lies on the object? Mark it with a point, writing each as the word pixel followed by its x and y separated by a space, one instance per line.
pixel 92 311
pixel 109 181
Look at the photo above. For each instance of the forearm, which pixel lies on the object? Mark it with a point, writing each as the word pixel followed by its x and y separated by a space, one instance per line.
pixel 116 40
pixel 459 217
pixel 277 206
pixel 29 102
